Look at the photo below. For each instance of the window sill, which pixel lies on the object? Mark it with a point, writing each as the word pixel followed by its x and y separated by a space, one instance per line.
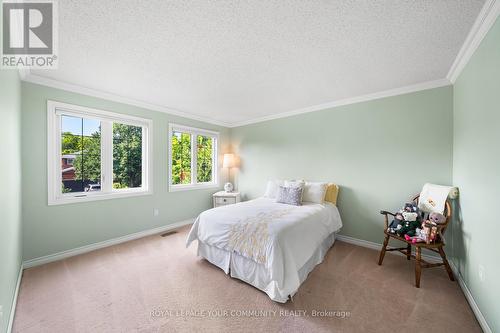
pixel 63 200
pixel 189 187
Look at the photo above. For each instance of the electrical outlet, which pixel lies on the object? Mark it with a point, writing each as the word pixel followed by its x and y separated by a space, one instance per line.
pixel 482 275
pixel 156 212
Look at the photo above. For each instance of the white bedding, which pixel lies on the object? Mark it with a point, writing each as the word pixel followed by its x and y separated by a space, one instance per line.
pixel 279 237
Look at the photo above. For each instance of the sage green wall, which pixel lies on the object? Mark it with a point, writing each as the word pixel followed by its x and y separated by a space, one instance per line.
pixel 53 229
pixel 380 152
pixel 10 189
pixel 476 170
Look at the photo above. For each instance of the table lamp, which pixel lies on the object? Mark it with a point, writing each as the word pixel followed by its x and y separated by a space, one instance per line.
pixel 228 163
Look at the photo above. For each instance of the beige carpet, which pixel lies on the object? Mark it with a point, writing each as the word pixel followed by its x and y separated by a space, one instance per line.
pixel 155 284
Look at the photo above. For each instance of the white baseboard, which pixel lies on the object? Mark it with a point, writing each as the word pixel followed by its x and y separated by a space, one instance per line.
pixel 87 248
pixel 468 295
pixel 377 246
pixel 14 300
pixel 118 240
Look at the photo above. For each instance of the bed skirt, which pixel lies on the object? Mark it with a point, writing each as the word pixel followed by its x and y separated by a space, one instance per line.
pixel 256 274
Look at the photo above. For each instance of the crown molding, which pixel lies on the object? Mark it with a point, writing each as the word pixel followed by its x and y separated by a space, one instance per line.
pixel 484 21
pixel 347 101
pixel 40 80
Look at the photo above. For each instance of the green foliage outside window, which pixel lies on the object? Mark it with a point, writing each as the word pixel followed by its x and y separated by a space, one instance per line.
pixel 204 159
pixel 87 150
pixel 70 143
pixel 181 158
pixel 127 155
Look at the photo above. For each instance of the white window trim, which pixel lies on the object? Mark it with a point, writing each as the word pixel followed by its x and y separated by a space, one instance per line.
pixel 215 163
pixel 55 196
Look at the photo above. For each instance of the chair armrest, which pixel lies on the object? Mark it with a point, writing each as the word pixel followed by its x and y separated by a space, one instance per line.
pixel 386 218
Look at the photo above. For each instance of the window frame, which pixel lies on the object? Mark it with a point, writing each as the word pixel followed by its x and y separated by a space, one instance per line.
pixel 194 132
pixel 55 110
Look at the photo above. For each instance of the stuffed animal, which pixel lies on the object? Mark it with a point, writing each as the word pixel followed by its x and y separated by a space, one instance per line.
pixel 430 227
pixel 411 207
pixel 399 216
pixel 429 230
pixel 395 225
pixel 408 228
pixel 437 218
pixel 406 220
pixel 410 216
pixel 419 236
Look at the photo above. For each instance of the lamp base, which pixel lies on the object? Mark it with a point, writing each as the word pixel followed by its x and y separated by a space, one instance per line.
pixel 228 187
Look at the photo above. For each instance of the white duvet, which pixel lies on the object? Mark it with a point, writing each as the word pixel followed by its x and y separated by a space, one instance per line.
pixel 278 236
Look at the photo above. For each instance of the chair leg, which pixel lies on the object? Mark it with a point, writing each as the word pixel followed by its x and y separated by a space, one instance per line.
pixel 408 252
pixel 446 264
pixel 418 267
pixel 382 251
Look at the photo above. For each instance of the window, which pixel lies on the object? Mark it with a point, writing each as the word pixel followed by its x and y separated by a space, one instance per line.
pixel 192 158
pixel 96 154
pixel 81 153
pixel 127 156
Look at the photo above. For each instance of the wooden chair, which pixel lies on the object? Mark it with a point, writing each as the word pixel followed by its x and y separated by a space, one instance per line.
pixel 436 246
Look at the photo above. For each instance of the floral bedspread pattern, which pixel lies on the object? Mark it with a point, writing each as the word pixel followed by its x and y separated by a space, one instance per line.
pixel 251 237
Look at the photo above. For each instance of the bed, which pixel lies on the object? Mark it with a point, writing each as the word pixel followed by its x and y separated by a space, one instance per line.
pixel 269 245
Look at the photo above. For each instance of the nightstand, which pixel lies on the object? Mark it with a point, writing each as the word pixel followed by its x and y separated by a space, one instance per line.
pixel 224 198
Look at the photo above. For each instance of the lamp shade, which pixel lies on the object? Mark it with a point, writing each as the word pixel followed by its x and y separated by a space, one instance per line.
pixel 228 161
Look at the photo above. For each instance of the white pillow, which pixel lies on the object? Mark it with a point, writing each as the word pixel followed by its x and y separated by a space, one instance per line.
pixel 295 183
pixel 272 188
pixel 314 192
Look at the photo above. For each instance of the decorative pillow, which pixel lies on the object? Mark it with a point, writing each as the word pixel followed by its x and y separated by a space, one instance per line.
pixel 272 188
pixel 290 195
pixel 296 183
pixel 314 192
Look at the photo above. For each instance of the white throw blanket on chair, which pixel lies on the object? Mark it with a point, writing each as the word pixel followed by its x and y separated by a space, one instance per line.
pixel 433 197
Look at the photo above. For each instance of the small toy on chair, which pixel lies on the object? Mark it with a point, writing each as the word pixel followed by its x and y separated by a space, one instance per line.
pixel 409 228
pixel 405 220
pixel 411 207
pixel 432 227
pixel 397 223
pixel 437 218
pixel 429 231
pixel 419 237
pixel 410 217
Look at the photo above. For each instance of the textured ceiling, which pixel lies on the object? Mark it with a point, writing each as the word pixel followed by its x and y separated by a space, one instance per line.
pixel 232 61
